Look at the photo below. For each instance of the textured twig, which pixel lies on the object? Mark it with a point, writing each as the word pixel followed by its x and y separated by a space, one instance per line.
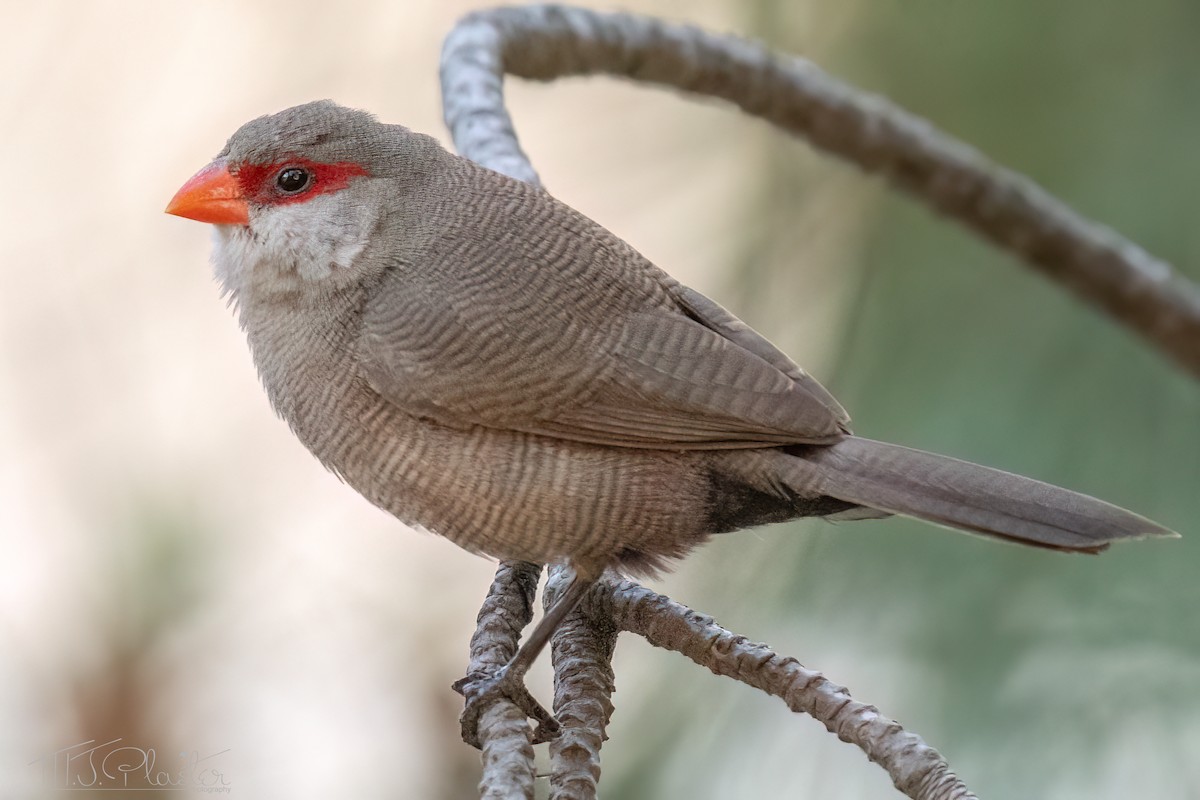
pixel 551 41
pixel 504 736
pixel 915 767
pixel 583 685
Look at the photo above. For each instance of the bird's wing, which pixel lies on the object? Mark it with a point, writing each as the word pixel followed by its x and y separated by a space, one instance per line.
pixel 715 317
pixel 664 381
pixel 678 383
pixel 596 345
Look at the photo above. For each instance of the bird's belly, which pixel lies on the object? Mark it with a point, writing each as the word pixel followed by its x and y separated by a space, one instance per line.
pixel 518 496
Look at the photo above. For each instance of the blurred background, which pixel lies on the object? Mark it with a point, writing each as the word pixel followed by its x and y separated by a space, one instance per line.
pixel 177 574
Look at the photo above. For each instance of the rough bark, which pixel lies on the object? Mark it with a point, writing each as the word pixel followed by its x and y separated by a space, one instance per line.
pixel 506 741
pixel 583 685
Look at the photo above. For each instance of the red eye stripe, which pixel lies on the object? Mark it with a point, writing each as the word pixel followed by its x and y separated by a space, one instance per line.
pixel 257 181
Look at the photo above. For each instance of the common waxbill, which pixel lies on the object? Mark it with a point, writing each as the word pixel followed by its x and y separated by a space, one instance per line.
pixel 483 361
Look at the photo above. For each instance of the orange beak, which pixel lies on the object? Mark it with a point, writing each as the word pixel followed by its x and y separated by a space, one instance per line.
pixel 212 195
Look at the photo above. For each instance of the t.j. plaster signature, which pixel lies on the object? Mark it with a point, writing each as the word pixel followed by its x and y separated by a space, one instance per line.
pixel 114 765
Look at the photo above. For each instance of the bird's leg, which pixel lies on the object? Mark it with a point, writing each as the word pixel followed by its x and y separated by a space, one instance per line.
pixel 509 681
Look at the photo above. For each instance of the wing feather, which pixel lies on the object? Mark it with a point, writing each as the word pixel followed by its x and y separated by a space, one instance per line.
pixel 585 341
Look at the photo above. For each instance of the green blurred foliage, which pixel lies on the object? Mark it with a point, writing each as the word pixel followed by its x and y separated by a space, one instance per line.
pixel 1037 674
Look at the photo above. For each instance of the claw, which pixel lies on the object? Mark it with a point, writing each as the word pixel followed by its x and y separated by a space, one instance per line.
pixel 480 690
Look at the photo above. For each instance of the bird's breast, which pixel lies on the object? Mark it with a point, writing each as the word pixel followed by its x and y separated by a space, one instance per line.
pixel 503 493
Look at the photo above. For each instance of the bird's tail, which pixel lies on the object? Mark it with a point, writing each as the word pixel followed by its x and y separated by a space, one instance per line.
pixel 968 497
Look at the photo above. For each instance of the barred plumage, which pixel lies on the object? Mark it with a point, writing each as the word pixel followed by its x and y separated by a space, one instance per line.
pixel 481 360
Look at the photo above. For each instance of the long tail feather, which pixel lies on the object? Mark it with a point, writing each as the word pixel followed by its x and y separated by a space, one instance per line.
pixel 969 497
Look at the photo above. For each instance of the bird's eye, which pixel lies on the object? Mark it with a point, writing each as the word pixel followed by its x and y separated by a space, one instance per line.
pixel 292 180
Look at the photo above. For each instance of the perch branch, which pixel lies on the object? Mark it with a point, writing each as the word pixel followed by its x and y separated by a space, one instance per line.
pixel 582 652
pixel 545 42
pixel 505 740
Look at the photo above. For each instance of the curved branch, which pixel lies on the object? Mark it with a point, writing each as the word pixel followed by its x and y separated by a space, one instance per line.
pixel 545 42
pixel 551 41
pixel 915 768
pixel 474 57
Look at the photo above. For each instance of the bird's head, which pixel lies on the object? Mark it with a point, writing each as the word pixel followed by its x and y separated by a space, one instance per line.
pixel 296 197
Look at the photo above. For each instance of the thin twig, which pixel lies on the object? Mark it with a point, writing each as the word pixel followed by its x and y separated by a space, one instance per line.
pixel 505 740
pixel 916 768
pixel 551 41
pixel 582 651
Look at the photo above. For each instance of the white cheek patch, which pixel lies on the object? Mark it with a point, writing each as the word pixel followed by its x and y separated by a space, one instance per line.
pixel 356 232
pixel 306 241
pixel 316 237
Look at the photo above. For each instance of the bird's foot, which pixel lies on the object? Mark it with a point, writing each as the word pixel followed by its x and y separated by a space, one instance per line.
pixel 481 689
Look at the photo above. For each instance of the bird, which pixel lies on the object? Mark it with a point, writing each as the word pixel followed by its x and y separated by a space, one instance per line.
pixel 482 361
